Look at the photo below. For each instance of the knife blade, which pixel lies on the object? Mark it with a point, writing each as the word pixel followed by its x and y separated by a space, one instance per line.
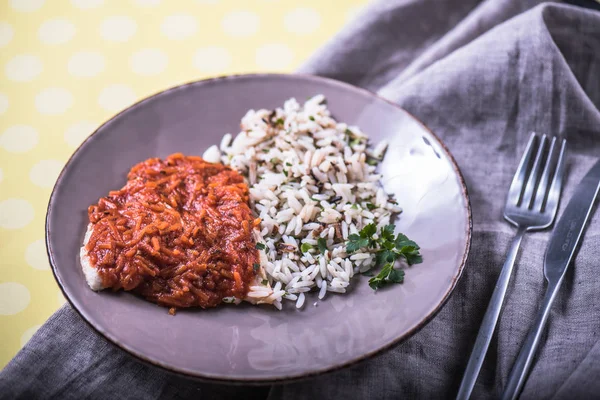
pixel 570 226
pixel 559 254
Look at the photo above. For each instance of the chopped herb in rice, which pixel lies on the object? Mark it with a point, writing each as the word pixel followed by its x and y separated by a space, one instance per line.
pixel 324 215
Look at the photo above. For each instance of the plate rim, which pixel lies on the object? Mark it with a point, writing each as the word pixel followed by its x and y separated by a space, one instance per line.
pixel 294 376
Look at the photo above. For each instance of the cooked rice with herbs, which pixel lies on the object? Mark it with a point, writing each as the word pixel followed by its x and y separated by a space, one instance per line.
pixel 324 215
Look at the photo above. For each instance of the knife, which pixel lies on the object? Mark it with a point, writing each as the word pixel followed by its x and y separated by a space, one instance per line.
pixel 560 251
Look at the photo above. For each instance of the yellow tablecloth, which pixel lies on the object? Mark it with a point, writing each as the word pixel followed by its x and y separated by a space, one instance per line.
pixel 69 65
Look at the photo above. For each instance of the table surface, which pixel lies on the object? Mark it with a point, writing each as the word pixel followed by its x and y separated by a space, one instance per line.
pixel 69 65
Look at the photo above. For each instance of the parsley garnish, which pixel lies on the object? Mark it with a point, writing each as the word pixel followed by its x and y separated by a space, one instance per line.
pixel 288 164
pixel 285 172
pixel 354 142
pixel 322 243
pixel 279 121
pixel 260 246
pixel 371 206
pixel 305 247
pixel 311 118
pixel 389 248
pixel 256 266
pixel 372 161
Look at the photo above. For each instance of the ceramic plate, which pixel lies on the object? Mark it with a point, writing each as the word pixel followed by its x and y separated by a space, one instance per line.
pixel 261 344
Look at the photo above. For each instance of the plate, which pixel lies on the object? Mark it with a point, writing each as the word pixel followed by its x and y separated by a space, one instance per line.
pixel 260 344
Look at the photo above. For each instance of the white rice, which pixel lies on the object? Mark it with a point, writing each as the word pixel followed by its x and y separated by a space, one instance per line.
pixel 310 183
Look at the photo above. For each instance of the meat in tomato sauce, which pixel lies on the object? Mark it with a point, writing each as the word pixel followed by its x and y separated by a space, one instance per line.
pixel 179 233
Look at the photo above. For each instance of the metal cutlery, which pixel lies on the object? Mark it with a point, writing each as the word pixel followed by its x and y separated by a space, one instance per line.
pixel 560 251
pixel 531 205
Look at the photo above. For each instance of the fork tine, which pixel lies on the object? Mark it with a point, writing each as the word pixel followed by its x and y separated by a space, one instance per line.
pixel 518 182
pixel 557 181
pixel 534 176
pixel 541 193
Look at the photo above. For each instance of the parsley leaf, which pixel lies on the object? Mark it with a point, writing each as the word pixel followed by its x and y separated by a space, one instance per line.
pixel 279 121
pixel 305 247
pixel 388 248
pixel 354 142
pixel 371 206
pixel 387 233
pixel 256 266
pixel 402 241
pixel 311 118
pixel 260 246
pixel 322 243
pixel 368 231
pixel 355 242
pixel 396 276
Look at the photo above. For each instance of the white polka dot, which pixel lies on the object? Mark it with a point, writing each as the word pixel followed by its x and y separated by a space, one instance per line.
pixel 53 101
pixel 23 68
pixel 116 97
pixel 15 214
pixel 86 64
pixel 148 62
pixel 212 59
pixel 302 21
pixel 240 23
pixel 353 12
pixel 28 334
pixel 3 103
pixel 78 132
pixel 87 4
pixel 56 31
pixel 26 5
pixel 118 28
pixel 6 33
pixel 274 56
pixel 179 27
pixel 19 138
pixel 36 255
pixel 45 172
pixel 147 3
pixel 14 298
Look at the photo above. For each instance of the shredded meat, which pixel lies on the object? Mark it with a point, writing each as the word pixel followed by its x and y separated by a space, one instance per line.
pixel 179 233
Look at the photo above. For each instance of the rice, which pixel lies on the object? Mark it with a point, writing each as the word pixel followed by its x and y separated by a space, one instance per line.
pixel 311 186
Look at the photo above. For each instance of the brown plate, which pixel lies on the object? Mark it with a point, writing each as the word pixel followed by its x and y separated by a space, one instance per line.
pixel 261 344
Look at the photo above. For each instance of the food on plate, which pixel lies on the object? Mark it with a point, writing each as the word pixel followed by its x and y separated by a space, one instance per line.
pixel 324 215
pixel 179 233
pixel 291 204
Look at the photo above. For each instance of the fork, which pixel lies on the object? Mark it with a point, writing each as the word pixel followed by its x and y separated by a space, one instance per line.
pixel 531 205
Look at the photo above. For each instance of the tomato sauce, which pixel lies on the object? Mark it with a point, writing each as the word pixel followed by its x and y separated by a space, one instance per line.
pixel 179 233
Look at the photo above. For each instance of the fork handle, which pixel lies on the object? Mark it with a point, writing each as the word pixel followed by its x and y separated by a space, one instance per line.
pixel 516 380
pixel 490 319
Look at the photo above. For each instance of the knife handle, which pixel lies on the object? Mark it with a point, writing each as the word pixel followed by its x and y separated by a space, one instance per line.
pixel 517 377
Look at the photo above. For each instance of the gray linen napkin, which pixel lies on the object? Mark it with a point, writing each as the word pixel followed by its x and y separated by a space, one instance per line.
pixel 482 76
